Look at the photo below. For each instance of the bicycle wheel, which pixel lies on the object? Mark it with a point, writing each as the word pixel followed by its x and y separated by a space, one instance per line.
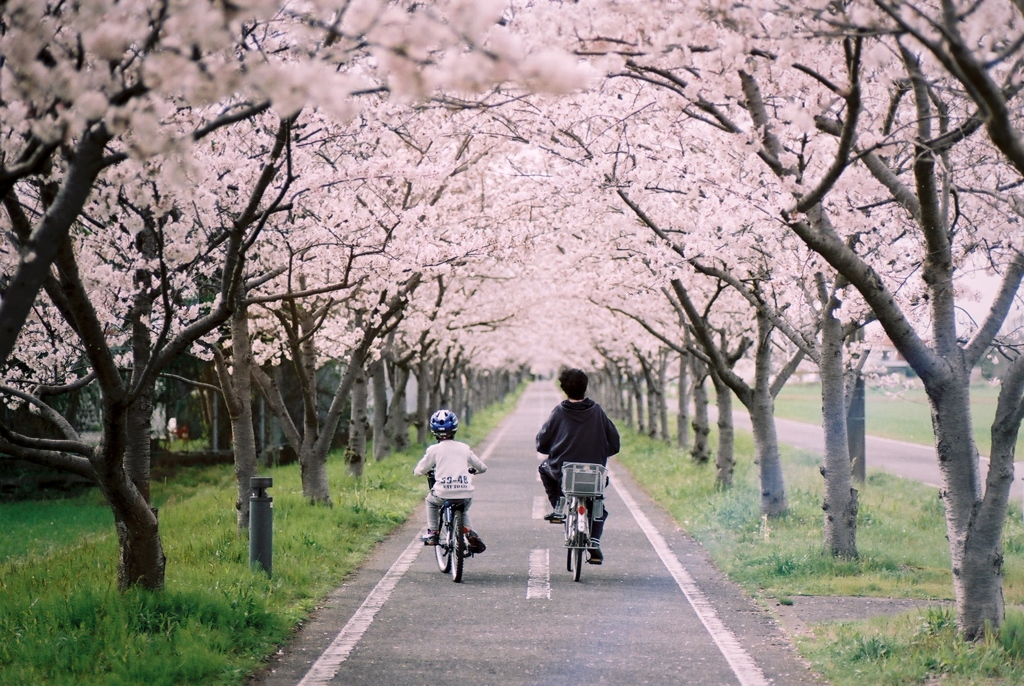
pixel 570 531
pixel 443 549
pixel 581 535
pixel 458 553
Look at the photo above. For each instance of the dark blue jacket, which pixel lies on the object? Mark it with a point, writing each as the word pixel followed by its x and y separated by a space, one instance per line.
pixel 577 432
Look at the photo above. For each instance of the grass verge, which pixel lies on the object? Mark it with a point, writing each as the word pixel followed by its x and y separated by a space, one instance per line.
pixel 903 554
pixel 62 620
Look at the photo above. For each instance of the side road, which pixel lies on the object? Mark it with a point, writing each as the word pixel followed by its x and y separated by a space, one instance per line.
pixel 657 611
pixel 910 460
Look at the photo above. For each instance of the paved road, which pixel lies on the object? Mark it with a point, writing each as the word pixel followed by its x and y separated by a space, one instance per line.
pixel 911 460
pixel 657 612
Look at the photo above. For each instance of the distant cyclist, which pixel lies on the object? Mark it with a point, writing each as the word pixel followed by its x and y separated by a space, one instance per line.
pixel 453 464
pixel 578 430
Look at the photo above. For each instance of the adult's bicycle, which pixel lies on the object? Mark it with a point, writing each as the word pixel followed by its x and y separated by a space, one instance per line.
pixel 583 485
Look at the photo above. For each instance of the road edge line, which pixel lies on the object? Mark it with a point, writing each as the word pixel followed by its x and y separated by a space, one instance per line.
pixel 327 665
pixel 740 661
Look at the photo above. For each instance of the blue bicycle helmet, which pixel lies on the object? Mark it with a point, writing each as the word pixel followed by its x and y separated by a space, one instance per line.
pixel 444 423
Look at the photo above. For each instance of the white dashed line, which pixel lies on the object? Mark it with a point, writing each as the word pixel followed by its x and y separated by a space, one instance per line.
pixel 540 507
pixel 743 666
pixel 539 585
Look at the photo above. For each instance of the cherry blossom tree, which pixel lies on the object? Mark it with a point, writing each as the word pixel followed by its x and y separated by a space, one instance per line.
pixel 175 294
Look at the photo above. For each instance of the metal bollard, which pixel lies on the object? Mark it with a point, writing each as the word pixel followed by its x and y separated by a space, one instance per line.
pixel 261 524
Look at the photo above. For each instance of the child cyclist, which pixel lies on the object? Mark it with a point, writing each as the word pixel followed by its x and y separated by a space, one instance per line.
pixel 452 464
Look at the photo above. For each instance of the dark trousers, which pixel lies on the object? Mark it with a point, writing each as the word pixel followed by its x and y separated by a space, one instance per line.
pixel 553 488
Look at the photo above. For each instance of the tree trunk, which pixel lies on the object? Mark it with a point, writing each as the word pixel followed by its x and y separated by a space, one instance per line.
pixel 638 403
pixel 138 455
pixel 470 382
pixel 313 471
pixel 725 456
pixel 459 395
pixel 982 571
pixel 840 504
pixel 683 411
pixel 628 409
pixel 663 397
pixel 237 387
pixel 653 403
pixel 355 453
pixel 312 459
pixel 398 416
pixel 437 397
pixel 701 450
pixel 975 548
pixel 612 393
pixel 382 439
pixel 141 559
pixel 762 419
pixel 423 384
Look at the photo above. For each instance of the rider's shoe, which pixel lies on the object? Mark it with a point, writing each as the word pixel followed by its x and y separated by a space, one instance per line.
pixel 430 538
pixel 595 556
pixel 474 543
pixel 555 517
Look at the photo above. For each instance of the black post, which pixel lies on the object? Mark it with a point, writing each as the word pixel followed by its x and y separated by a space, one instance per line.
pixel 261 524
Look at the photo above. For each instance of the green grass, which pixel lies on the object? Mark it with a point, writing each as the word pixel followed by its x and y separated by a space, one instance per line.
pixel 916 648
pixel 903 554
pixel 62 621
pixel 905 417
pixel 39 527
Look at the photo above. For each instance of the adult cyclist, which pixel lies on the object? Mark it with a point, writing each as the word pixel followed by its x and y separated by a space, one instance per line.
pixel 578 430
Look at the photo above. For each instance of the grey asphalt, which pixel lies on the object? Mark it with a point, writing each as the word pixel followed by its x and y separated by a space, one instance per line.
pixel 627 621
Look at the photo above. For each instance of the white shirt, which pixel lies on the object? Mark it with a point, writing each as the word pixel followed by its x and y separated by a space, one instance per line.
pixel 450 461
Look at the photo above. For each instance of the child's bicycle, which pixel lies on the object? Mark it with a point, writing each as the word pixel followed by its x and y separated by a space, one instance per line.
pixel 583 486
pixel 451 550
pixel 452 547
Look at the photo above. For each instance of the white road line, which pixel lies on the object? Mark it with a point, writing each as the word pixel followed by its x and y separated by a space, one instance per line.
pixel 539 585
pixel 540 506
pixel 328 664
pixel 743 666
pixel 494 443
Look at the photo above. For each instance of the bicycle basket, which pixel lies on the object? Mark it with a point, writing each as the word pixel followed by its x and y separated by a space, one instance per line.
pixel 580 478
